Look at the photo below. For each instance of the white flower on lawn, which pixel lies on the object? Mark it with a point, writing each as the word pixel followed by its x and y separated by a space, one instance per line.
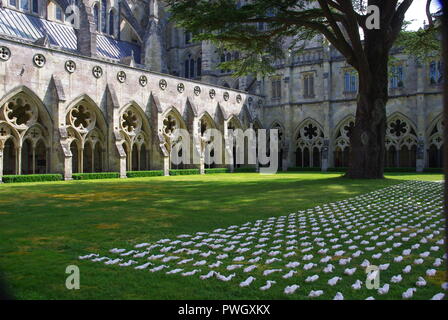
pixel 438 296
pixel 409 293
pixel 338 296
pixel 289 274
pixel 398 259
pixel 396 279
pixel 329 268
pixel 291 289
pixel 270 271
pixel 334 280
pixel 250 268
pixel 208 275
pixel 191 273
pixel 383 267
pixel 312 278
pixel 247 282
pixel 407 269
pixel 421 282
pixel 384 290
pixel 357 285
pixel 349 271
pixel 143 266
pixel 292 264
pixel 116 250
pixel 158 268
pixel 234 266
pixel 268 285
pixel 431 272
pixel 314 294
pixel 418 261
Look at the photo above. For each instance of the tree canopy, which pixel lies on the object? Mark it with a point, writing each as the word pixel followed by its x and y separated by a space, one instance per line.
pixel 264 30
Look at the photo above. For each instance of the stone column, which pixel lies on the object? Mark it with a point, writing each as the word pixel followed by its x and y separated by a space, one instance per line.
pixel 1 161
pixel 19 160
pixel 228 149
pixel 421 119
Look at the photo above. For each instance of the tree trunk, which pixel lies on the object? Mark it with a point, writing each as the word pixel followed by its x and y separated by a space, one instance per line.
pixel 368 137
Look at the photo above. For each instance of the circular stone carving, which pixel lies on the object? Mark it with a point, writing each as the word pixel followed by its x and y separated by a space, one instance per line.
pixel 39 60
pixel 20 112
pixel 163 84
pixel 82 118
pixel 121 76
pixel 143 80
pixel 70 66
pixel 97 72
pixel 130 122
pixel 226 96
pixel 212 93
pixel 239 98
pixel 197 90
pixel 180 87
pixel 5 53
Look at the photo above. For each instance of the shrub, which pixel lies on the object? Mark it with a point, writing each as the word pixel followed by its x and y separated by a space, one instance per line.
pixel 139 174
pixel 181 172
pixel 299 169
pixel 32 178
pixel 217 170
pixel 246 169
pixel 95 175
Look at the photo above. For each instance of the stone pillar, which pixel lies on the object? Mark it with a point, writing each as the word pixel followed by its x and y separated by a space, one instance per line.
pixel 153 55
pixel 68 171
pixel 123 167
pixel 421 119
pixel 325 151
pixel 19 160
pixel 208 62
pixel 166 166
pixel 86 33
pixel 228 149
pixel 1 161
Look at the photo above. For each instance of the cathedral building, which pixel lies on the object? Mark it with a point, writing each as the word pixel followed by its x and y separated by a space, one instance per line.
pixel 99 86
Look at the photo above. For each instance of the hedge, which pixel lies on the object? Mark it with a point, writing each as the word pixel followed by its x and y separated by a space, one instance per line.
pixel 217 170
pixel 246 169
pixel 96 175
pixel 313 169
pixel 31 178
pixel 139 174
pixel 180 172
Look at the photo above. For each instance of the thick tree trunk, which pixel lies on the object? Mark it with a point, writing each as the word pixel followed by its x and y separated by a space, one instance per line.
pixel 368 137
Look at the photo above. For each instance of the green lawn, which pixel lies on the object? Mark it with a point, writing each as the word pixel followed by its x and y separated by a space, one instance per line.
pixel 45 226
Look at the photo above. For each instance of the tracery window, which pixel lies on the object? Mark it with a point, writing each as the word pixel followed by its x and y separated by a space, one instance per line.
pixel 309 141
pixel 401 143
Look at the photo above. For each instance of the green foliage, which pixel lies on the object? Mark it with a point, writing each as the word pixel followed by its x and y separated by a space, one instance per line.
pixel 181 172
pixel 300 169
pixel 96 175
pixel 32 178
pixel 139 174
pixel 245 169
pixel 422 44
pixel 217 170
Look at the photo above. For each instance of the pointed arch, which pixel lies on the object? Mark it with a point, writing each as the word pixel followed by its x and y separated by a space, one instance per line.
pixel 309 140
pixel 434 138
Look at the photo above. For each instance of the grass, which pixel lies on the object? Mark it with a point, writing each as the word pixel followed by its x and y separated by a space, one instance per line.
pixel 44 227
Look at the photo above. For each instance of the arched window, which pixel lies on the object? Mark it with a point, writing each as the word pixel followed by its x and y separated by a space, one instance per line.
pixel 96 16
pixel 309 143
pixel 103 16
pixel 111 22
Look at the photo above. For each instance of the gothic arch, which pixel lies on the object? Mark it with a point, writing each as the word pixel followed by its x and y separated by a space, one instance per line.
pixel 21 110
pixel 401 141
pixel 134 127
pixel 308 143
pixel 341 140
pixel 435 143
pixel 86 126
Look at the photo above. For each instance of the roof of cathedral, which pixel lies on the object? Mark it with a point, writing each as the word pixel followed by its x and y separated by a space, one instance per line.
pixel 31 28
